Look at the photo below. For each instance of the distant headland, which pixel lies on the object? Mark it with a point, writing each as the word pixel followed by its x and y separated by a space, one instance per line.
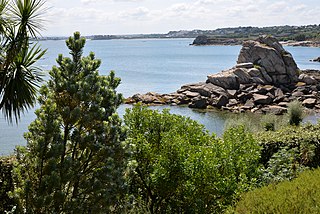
pixel 296 35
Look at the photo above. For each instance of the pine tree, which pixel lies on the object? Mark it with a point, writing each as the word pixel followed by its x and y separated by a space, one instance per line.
pixel 74 159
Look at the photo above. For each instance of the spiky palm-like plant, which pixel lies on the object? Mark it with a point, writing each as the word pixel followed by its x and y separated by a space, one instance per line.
pixel 19 76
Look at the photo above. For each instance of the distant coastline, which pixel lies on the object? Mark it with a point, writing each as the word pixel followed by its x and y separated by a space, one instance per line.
pixel 225 36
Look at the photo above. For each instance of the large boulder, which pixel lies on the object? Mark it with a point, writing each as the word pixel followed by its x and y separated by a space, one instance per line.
pixel 225 79
pixel 243 75
pixel 204 89
pixel 261 99
pixel 198 102
pixel 269 55
pixel 309 80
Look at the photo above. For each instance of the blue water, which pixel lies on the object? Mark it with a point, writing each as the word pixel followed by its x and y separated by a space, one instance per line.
pixel 158 65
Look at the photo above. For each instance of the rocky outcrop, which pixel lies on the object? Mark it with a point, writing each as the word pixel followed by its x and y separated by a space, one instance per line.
pixel 205 40
pixel 316 59
pixel 269 57
pixel 265 79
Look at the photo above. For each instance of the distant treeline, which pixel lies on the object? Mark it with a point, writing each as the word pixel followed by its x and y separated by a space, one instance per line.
pixel 297 33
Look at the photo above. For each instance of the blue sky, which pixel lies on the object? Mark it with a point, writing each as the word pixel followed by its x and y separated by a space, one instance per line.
pixel 160 16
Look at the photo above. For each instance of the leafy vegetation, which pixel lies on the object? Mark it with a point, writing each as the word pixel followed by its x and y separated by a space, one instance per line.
pixel 6 184
pixel 180 168
pixel 302 195
pixel 19 76
pixel 304 139
pixel 74 161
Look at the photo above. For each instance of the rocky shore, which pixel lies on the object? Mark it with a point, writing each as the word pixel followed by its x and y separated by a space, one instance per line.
pixel 265 80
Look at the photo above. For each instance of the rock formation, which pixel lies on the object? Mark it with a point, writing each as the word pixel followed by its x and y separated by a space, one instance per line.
pixel 205 40
pixel 265 79
pixel 316 59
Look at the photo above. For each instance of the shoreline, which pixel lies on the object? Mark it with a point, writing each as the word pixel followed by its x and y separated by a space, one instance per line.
pixel 309 44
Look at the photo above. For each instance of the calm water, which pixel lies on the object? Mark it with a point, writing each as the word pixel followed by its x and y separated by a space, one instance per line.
pixel 151 65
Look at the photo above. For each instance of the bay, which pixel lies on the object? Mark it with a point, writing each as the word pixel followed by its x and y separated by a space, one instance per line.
pixel 157 65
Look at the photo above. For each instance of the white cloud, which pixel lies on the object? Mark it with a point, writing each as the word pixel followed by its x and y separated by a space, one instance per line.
pixel 103 1
pixel 148 16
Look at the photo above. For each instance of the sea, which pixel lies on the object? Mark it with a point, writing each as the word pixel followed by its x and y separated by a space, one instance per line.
pixel 151 65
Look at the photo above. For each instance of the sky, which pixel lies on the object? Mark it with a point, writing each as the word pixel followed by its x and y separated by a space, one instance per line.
pixel 92 17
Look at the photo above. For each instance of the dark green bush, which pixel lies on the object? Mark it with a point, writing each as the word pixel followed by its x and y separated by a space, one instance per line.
pixel 301 195
pixel 289 151
pixel 306 139
pixel 6 184
pixel 283 165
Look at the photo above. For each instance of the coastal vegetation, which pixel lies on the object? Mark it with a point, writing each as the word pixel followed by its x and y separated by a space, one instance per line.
pixel 181 168
pixel 81 157
pixel 166 164
pixel 74 160
pixel 300 195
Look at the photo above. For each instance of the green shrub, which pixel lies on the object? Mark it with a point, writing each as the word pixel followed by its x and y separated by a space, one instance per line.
pixel 301 195
pixel 179 168
pixel 295 113
pixel 305 139
pixel 283 165
pixel 6 184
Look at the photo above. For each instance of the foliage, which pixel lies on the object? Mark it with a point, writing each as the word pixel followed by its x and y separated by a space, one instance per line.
pixel 283 165
pixel 179 168
pixel 301 195
pixel 19 76
pixel 74 161
pixel 295 113
pixel 303 139
pixel 6 184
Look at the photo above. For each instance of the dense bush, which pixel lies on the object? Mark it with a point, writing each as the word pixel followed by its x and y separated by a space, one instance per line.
pixel 6 184
pixel 301 195
pixel 180 168
pixel 283 165
pixel 305 139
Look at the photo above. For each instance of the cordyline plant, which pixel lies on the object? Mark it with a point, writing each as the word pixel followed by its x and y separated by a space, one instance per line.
pixel 20 20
